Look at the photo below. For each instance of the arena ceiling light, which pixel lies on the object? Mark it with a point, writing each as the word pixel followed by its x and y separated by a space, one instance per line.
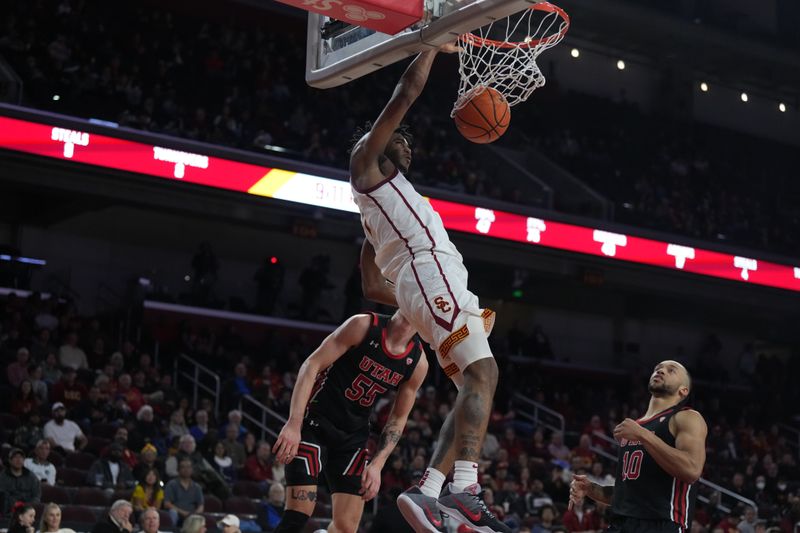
pixel 782 107
pixel 620 64
pixel 575 53
pixel 744 97
pixel 704 87
pixel 56 98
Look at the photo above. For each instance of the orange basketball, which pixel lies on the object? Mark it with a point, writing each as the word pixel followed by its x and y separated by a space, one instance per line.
pixel 485 117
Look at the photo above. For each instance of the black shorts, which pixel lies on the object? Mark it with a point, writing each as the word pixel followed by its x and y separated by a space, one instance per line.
pixel 627 524
pixel 329 456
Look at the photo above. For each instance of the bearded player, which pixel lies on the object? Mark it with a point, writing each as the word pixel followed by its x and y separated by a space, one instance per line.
pixel 325 437
pixel 407 245
pixel 660 458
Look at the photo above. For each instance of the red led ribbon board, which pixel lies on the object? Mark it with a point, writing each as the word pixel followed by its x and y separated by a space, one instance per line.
pixel 176 165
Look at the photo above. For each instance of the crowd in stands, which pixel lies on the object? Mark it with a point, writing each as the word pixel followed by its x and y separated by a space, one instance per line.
pixel 141 66
pixel 113 428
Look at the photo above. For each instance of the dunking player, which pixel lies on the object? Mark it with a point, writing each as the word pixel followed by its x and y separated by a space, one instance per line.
pixel 407 245
pixel 660 458
pixel 326 434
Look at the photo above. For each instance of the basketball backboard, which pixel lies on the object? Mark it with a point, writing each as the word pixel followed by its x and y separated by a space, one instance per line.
pixel 339 52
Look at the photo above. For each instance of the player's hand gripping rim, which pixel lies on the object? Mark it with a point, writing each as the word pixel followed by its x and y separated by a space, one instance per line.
pixel 285 448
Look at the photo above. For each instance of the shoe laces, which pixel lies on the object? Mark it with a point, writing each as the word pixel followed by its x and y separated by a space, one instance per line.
pixel 483 506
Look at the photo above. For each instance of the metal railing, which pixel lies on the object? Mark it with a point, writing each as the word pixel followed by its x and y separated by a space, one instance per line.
pixel 259 415
pixel 198 376
pixel 702 481
pixel 794 432
pixel 538 414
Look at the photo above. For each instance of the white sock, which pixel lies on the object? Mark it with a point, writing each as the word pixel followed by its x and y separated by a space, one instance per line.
pixel 466 474
pixel 431 482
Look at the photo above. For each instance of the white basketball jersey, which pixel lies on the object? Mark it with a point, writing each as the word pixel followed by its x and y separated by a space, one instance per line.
pixel 401 225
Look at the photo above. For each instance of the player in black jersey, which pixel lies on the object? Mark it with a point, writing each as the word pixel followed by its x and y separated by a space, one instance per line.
pixel 660 458
pixel 326 434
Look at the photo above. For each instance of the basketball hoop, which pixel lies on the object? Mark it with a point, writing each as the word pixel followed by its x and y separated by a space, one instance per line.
pixel 502 54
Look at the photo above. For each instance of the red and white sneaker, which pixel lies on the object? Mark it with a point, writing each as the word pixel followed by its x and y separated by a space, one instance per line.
pixel 467 508
pixel 420 511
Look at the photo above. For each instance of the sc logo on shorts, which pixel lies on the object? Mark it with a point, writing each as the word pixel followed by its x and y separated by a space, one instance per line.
pixel 442 304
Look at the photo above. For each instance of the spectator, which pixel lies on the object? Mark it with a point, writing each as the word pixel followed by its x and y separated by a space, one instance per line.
pixel 146 430
pixel 51 371
pixel 235 418
pixel 579 517
pixel 233 446
pixel 200 428
pixel 51 520
pixel 42 345
pixel 132 396
pixel 62 433
pixel 148 458
pixel 539 449
pixel 69 391
pixel 229 524
pixel 93 409
pixel 117 520
pixel 111 473
pixel 17 483
pixel 258 467
pixel 194 524
pixel 128 456
pixel 583 452
pixel 30 432
pixel 250 444
pixel 547 521
pixel 177 424
pixel 182 496
pixel 269 280
pixel 40 389
pixel 24 400
pixel 537 497
pixel 148 493
pixel 557 449
pixel 150 521
pixel 511 443
pixel 70 355
pixel 39 465
pixel 747 524
pixel 223 463
pixel 271 509
pixel 18 370
pixel 23 516
pixel 237 386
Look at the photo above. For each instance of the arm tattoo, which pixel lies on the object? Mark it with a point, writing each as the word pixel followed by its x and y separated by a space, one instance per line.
pixel 390 436
pixel 303 495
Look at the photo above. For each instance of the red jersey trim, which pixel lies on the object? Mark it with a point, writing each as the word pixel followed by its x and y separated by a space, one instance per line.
pixel 391 355
pixel 377 185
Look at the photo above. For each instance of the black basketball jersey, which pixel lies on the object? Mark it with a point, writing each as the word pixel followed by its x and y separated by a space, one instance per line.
pixel 345 392
pixel 645 490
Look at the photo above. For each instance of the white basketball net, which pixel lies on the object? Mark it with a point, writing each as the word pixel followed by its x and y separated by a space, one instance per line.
pixel 503 54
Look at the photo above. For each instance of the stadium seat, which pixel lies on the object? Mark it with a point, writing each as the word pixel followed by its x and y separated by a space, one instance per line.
pixel 91 496
pixel 248 489
pixel 96 445
pixel 9 422
pixel 79 460
pixel 211 521
pixel 103 430
pixel 78 514
pixel 165 520
pixel 56 458
pixel 239 505
pixel 71 477
pixel 212 503
pixel 56 494
pixel 122 494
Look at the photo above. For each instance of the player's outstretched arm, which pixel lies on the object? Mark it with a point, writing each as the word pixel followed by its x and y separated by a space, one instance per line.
pixel 370 148
pixel 393 430
pixel 374 286
pixel 349 334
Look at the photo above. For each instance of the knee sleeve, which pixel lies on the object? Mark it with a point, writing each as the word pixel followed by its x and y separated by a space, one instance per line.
pixel 292 522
